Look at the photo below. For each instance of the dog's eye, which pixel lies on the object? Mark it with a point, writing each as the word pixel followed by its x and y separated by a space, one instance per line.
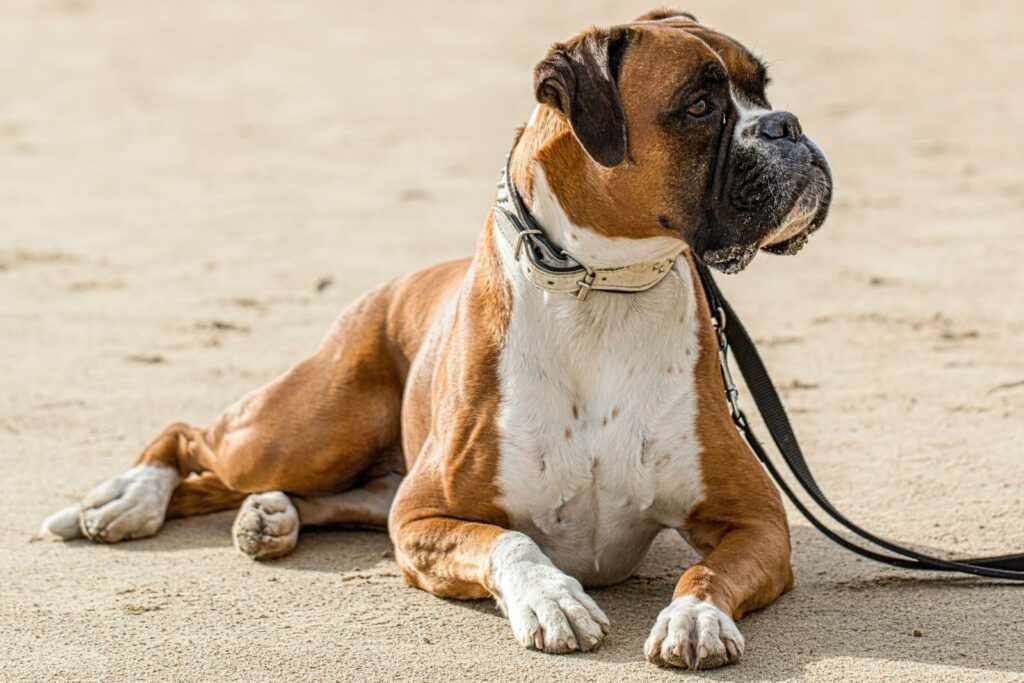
pixel 698 108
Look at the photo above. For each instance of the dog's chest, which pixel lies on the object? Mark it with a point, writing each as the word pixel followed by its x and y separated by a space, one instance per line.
pixel 598 446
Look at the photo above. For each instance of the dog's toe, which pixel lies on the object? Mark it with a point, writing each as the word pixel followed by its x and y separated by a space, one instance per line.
pixel 693 634
pixel 267 526
pixel 63 524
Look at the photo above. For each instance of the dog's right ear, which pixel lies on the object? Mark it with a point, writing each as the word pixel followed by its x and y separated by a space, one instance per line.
pixel 580 79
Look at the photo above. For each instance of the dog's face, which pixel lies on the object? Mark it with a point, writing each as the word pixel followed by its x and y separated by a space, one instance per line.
pixel 675 120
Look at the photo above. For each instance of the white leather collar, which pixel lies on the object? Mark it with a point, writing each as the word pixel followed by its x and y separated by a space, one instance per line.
pixel 551 268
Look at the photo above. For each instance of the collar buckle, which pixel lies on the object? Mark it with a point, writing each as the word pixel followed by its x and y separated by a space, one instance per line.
pixel 521 239
pixel 586 284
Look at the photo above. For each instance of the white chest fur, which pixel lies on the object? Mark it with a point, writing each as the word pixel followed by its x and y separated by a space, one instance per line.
pixel 598 447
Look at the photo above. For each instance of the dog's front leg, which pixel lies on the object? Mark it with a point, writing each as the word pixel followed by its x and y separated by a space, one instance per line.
pixel 453 558
pixel 748 569
pixel 740 529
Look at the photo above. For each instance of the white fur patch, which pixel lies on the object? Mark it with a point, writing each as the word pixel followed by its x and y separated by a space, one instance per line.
pixel 598 445
pixel 547 609
pixel 747 117
pixel 131 505
pixel 694 634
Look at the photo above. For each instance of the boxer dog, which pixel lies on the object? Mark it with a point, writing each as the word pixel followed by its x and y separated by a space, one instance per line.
pixel 526 421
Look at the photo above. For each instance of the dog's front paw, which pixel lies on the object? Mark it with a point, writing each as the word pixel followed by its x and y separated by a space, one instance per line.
pixel 548 609
pixel 693 634
pixel 267 526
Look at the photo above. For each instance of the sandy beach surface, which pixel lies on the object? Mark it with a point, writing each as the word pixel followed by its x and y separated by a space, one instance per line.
pixel 191 190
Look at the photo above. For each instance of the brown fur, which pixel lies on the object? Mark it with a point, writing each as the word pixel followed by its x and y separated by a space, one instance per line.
pixel 202 494
pixel 740 526
pixel 445 518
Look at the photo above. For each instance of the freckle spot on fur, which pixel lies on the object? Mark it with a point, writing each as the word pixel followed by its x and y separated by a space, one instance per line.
pixel 669 369
pixel 687 352
pixel 575 412
pixel 568 433
pixel 604 422
pixel 615 412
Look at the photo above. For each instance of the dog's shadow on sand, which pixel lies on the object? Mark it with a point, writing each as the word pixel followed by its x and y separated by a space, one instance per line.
pixel 842 606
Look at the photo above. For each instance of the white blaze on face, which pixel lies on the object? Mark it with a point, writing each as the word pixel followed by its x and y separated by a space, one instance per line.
pixel 748 114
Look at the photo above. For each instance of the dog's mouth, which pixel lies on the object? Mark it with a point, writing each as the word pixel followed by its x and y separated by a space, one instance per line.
pixel 806 216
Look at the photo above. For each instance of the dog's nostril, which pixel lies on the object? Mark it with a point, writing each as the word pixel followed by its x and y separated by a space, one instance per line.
pixel 779 124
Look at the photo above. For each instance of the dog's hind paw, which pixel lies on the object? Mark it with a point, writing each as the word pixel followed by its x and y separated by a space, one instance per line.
pixel 131 505
pixel 267 526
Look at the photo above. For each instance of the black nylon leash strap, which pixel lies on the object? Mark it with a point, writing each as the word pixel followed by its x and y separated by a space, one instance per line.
pixel 770 406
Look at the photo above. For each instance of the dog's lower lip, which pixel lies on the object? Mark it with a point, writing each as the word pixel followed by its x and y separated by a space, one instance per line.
pixel 729 259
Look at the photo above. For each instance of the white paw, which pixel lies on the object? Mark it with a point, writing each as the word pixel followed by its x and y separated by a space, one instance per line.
pixel 548 609
pixel 693 634
pixel 131 505
pixel 267 526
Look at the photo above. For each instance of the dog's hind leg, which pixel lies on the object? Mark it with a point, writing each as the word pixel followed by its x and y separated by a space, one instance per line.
pixel 329 423
pixel 201 494
pixel 268 524
pixel 135 503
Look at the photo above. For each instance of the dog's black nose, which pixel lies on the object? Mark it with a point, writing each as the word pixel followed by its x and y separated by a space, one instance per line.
pixel 778 125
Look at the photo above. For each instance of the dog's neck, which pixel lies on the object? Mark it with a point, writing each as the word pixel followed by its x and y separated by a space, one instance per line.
pixel 545 146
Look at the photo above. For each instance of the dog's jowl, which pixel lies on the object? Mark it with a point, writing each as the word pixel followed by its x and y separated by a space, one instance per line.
pixel 525 422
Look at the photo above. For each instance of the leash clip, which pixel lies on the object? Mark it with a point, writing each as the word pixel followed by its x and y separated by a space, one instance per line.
pixel 732 394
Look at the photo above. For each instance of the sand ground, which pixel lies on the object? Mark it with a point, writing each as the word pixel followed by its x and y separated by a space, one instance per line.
pixel 192 190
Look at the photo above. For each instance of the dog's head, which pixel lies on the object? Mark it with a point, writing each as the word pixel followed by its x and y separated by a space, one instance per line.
pixel 680 139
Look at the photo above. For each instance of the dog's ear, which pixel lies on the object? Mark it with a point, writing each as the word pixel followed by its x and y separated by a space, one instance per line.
pixel 580 79
pixel 667 13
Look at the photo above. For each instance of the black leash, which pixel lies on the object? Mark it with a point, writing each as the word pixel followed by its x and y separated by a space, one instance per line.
pixel 731 334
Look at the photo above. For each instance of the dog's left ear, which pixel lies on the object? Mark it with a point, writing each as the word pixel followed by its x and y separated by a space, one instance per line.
pixel 580 79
